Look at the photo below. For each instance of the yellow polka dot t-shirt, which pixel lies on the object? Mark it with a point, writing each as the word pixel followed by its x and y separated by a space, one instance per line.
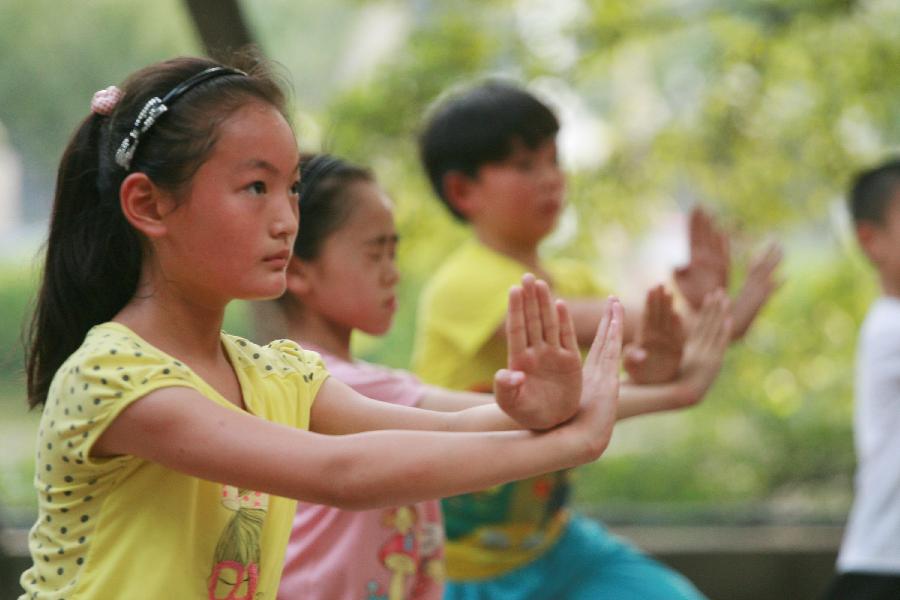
pixel 125 527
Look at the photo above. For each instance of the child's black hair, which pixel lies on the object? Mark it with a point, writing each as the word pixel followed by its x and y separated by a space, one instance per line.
pixel 872 191
pixel 324 203
pixel 93 256
pixel 478 125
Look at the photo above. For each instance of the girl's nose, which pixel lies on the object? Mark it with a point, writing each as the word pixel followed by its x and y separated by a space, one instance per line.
pixel 391 273
pixel 286 220
pixel 552 176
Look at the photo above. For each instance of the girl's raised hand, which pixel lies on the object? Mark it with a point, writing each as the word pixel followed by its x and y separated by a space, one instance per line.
pixel 705 348
pixel 601 382
pixel 656 352
pixel 542 385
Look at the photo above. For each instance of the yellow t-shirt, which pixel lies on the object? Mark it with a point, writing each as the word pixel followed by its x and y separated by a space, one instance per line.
pixel 462 307
pixel 125 527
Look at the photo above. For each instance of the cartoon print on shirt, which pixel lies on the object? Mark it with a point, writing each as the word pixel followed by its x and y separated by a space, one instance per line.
pixel 400 554
pixel 235 571
pixel 431 570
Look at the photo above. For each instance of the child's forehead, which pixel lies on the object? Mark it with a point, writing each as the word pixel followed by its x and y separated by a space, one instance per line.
pixel 256 137
pixel 519 150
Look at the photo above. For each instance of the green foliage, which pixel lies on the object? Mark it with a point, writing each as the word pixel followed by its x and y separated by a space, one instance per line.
pixel 17 289
pixel 55 55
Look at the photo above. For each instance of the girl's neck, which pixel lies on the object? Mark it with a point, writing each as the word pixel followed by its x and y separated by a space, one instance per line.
pixel 175 323
pixel 305 326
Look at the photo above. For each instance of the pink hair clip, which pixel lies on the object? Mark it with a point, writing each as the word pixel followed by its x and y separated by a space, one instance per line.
pixel 105 101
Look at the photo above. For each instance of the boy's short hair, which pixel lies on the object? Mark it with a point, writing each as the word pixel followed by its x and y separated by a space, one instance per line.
pixel 872 191
pixel 480 124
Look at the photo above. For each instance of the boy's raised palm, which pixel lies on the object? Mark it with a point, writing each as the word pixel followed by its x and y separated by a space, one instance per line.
pixel 758 287
pixel 656 353
pixel 710 260
pixel 542 385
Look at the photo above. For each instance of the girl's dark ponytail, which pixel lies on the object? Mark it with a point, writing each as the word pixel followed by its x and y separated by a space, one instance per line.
pixel 92 261
pixel 93 256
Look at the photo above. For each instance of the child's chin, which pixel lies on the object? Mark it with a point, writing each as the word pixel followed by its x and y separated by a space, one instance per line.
pixel 378 329
pixel 269 293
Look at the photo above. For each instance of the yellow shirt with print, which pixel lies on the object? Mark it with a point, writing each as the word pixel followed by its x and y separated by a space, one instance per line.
pixel 125 527
pixel 493 531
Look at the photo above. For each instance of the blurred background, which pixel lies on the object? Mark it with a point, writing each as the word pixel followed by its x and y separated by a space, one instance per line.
pixel 760 110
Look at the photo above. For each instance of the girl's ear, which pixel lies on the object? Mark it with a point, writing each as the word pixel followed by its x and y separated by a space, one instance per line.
pixel 144 204
pixel 458 189
pixel 298 278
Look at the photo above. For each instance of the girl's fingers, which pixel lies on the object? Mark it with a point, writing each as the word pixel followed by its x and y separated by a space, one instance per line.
pixel 612 347
pixel 506 387
pixel 549 318
pixel 600 336
pixel 694 230
pixel 670 317
pixel 652 312
pixel 567 337
pixel 516 338
pixel 725 332
pixel 533 328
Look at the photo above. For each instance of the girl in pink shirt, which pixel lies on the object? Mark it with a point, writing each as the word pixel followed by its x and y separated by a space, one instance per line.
pixel 343 277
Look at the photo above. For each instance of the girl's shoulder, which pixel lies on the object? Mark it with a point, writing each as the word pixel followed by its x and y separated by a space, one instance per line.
pixel 279 357
pixel 115 350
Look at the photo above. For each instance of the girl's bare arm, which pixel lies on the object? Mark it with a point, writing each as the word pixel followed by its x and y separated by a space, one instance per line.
pixel 186 432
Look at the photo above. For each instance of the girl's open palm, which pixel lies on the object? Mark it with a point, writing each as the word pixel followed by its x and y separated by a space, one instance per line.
pixel 541 387
pixel 656 352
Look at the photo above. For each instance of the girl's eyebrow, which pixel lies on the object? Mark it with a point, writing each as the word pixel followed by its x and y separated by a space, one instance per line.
pixel 258 163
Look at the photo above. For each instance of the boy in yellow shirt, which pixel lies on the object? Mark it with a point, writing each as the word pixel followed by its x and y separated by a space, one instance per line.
pixel 490 153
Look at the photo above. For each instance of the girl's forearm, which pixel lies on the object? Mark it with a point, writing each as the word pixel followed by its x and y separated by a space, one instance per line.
pixel 185 432
pixel 637 400
pixel 587 312
pixel 390 468
pixel 444 400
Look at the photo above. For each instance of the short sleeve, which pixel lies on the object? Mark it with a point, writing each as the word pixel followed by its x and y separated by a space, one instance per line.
pixel 307 363
pixel 284 378
pixel 108 373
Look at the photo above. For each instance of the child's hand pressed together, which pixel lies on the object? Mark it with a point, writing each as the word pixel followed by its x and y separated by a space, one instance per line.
pixel 541 387
pixel 655 354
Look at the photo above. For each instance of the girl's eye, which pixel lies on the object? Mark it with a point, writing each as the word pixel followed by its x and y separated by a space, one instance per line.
pixel 257 187
pixel 295 189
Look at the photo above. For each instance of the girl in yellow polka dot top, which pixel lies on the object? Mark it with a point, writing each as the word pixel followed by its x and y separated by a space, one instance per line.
pixel 170 455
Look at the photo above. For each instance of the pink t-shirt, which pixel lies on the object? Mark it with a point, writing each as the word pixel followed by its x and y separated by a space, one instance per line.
pixel 387 554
